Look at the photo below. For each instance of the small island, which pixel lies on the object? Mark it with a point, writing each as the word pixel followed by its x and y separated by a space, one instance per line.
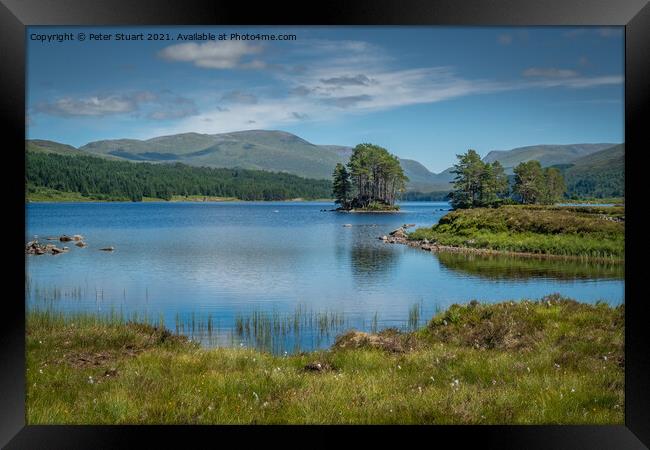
pixel 526 219
pixel 371 181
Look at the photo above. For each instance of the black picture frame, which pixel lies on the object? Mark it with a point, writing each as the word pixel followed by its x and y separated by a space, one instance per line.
pixel 15 15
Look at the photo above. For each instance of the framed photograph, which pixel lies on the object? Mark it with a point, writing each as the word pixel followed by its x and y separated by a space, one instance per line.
pixel 414 214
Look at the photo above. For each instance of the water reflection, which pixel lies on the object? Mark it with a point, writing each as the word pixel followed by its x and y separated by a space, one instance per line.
pixel 509 267
pixel 370 259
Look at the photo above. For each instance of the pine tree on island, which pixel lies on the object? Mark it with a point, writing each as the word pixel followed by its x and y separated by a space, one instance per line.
pixel 371 181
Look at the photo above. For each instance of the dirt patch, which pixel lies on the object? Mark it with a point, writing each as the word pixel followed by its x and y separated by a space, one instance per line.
pixel 81 359
pixel 389 340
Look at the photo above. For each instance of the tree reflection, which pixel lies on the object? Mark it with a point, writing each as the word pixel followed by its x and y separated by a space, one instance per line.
pixel 509 267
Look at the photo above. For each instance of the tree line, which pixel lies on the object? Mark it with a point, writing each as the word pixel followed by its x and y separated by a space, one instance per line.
pixel 372 177
pixel 481 184
pixel 91 175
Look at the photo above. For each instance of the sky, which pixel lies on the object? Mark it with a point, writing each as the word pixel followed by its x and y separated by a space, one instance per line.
pixel 424 93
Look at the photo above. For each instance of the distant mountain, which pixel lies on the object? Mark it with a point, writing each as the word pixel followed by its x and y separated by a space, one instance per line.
pixel 52 147
pixel 279 151
pixel 42 146
pixel 275 151
pixel 547 155
pixel 600 174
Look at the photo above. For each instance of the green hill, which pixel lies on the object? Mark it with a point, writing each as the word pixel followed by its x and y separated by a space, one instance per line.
pixel 279 151
pixel 43 146
pixel 51 175
pixel 547 155
pixel 598 175
pixel 275 151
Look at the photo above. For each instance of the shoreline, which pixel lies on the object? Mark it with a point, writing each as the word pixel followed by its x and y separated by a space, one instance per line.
pixel 183 200
pixel 437 248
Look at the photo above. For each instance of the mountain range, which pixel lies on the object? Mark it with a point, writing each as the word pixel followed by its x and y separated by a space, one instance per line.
pixel 279 151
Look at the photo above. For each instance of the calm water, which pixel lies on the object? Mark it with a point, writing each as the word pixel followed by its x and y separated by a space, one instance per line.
pixel 283 276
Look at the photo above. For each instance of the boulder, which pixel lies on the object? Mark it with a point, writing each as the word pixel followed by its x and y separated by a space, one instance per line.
pixel 77 237
pixel 65 238
pixel 398 233
pixel 80 244
pixel 317 367
pixel 56 250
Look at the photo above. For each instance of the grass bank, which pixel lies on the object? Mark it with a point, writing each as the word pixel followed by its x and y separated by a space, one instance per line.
pixel 44 194
pixel 591 232
pixel 548 361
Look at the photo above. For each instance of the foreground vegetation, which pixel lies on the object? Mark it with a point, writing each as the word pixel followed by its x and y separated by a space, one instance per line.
pixel 548 361
pixel 595 232
pixel 103 179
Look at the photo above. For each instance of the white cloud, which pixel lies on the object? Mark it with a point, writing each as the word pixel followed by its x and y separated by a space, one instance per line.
pixel 315 97
pixel 215 55
pixel 158 106
pixel 549 72
pixel 579 82
pixel 89 106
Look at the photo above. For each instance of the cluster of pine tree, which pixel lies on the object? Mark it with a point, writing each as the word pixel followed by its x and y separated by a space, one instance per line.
pixel 372 177
pixel 537 185
pixel 92 175
pixel 480 184
pixel 477 183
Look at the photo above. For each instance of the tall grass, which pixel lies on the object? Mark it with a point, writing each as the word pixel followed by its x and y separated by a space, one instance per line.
pixel 552 361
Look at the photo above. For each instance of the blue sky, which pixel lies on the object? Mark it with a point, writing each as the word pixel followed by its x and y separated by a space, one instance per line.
pixel 425 93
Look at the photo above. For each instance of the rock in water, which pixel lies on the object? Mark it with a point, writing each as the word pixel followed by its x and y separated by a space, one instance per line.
pixel 77 237
pixel 65 238
pixel 80 244
pixel 107 249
